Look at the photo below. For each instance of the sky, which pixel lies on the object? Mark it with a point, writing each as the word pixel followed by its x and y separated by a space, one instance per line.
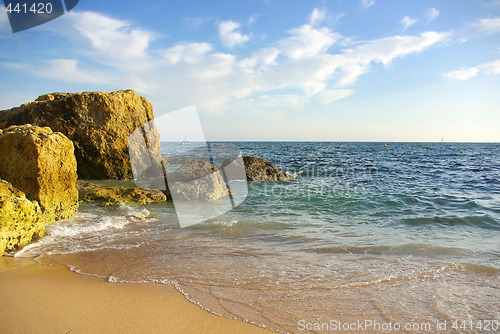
pixel 277 70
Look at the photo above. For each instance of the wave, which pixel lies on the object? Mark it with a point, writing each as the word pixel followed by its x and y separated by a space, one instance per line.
pixel 406 249
pixel 85 232
pixel 483 221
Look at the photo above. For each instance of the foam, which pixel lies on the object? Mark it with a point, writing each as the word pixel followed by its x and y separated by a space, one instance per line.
pixel 62 236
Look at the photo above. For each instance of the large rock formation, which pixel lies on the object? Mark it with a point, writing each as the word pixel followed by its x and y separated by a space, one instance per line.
pixel 195 180
pixel 99 124
pixel 258 169
pixel 42 165
pixel 90 192
pixel 20 219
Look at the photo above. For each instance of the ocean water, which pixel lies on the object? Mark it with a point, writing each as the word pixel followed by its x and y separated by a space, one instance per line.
pixel 402 235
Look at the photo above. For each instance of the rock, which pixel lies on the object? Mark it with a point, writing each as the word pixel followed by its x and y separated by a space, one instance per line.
pixel 20 219
pixel 195 180
pixel 7 189
pixel 46 97
pixel 176 160
pixel 93 193
pixel 42 165
pixel 98 123
pixel 258 169
pixel 193 169
pixel 138 217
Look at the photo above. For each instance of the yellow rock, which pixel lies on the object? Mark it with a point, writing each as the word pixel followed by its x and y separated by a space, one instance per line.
pixel 98 123
pixel 46 97
pixel 42 165
pixel 90 192
pixel 20 219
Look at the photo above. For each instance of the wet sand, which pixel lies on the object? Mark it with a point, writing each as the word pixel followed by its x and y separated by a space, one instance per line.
pixel 45 299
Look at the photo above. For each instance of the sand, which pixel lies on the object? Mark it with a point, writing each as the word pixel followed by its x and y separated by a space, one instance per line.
pixel 45 299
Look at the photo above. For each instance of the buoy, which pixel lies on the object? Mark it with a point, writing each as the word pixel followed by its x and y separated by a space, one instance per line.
pixel 461 152
pixel 430 148
pixel 385 145
pixel 409 147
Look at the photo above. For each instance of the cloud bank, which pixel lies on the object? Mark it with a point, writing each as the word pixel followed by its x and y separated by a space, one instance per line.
pixel 311 64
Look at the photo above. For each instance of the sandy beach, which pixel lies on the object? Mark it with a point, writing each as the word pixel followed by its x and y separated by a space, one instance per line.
pixel 44 299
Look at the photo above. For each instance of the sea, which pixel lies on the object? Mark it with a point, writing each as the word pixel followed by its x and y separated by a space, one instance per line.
pixel 392 237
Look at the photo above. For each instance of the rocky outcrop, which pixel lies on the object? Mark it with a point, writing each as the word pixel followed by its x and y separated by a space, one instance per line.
pixel 99 124
pixel 20 219
pixel 195 180
pixel 258 169
pixel 42 165
pixel 90 192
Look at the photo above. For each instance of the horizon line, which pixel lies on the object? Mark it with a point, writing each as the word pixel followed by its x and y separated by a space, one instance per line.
pixel 337 141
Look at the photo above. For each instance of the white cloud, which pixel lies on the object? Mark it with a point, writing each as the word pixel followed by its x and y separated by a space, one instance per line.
pixel 329 96
pixel 431 14
pixel 252 19
pixel 492 68
pixel 322 16
pixel 385 50
pixel 367 3
pixel 66 70
pixel 407 22
pixel 187 52
pixel 263 57
pixel 221 65
pixel 283 75
pixel 462 74
pixel 317 17
pixel 230 35
pixel 307 41
pixel 488 26
pixel 116 41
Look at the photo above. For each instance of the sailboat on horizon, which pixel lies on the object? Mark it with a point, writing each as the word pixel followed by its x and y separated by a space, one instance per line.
pixel 185 142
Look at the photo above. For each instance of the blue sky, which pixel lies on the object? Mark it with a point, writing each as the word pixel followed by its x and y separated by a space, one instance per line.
pixel 363 70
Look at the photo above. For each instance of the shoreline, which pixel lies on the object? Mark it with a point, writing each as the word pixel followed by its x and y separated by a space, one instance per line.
pixel 45 299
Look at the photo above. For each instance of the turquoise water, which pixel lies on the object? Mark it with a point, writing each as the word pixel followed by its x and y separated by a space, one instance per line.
pixel 400 234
